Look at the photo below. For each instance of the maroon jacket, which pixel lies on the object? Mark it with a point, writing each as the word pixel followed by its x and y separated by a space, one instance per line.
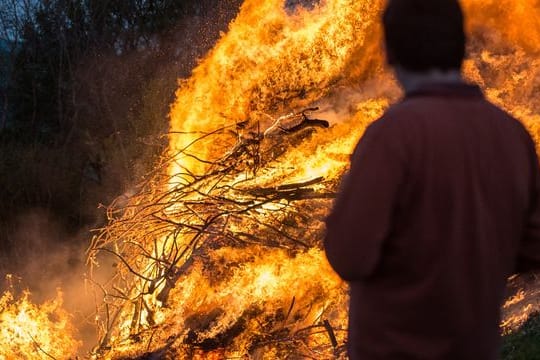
pixel 440 206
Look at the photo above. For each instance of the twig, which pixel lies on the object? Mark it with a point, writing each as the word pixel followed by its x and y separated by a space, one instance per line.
pixel 331 333
pixel 40 348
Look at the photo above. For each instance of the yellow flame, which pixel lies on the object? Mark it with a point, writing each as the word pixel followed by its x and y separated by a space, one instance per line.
pixel 30 331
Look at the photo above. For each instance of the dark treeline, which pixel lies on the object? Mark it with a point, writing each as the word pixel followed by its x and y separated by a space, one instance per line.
pixel 85 91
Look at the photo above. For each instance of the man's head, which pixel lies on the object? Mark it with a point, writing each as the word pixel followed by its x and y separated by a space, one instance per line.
pixel 424 35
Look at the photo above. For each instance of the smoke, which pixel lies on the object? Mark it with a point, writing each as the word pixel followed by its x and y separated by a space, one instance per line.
pixel 48 258
pixel 343 102
pixel 37 237
pixel 292 5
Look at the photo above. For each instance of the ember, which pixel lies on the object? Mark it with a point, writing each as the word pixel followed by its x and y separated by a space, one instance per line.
pixel 218 254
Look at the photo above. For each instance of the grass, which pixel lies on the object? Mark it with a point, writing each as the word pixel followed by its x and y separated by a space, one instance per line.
pixel 524 343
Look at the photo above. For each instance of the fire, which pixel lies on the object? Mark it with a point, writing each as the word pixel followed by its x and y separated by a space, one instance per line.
pixel 228 125
pixel 219 254
pixel 30 331
pixel 268 63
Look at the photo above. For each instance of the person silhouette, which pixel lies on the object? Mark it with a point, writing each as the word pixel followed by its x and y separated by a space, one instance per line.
pixel 440 206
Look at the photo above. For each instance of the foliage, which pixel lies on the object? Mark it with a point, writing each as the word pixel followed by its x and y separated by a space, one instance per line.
pixel 61 34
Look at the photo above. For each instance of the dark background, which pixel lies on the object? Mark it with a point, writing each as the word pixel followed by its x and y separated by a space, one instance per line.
pixel 85 89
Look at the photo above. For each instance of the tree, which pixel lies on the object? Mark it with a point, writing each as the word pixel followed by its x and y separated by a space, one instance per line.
pixel 89 90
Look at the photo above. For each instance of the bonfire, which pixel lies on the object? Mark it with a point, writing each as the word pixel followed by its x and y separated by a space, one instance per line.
pixel 218 254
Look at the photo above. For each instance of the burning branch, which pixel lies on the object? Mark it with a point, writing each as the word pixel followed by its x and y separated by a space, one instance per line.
pixel 39 347
pixel 170 229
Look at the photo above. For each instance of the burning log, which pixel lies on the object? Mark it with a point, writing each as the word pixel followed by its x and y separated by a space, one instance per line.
pixel 291 192
pixel 198 324
pixel 249 139
pixel 295 122
pixel 331 333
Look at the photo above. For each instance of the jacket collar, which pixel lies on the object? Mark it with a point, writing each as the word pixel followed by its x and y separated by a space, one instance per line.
pixel 446 90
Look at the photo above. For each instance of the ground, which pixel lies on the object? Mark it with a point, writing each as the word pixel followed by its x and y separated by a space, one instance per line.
pixel 521 319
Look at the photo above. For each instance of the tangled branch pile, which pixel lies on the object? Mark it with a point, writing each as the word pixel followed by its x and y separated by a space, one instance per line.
pixel 218 226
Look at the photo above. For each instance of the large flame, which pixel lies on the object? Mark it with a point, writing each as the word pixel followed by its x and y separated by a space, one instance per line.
pixel 271 62
pixel 224 299
pixel 275 60
pixel 30 331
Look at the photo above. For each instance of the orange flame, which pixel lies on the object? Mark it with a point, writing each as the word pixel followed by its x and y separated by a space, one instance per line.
pixel 30 331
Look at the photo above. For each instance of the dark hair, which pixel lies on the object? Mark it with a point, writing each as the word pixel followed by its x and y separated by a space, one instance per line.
pixel 424 34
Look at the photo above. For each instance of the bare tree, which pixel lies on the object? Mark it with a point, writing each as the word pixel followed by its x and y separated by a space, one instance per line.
pixel 14 15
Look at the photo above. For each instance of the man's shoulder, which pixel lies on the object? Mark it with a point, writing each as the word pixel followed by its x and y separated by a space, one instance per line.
pixel 391 127
pixel 508 120
pixel 412 117
pixel 414 108
pixel 395 118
